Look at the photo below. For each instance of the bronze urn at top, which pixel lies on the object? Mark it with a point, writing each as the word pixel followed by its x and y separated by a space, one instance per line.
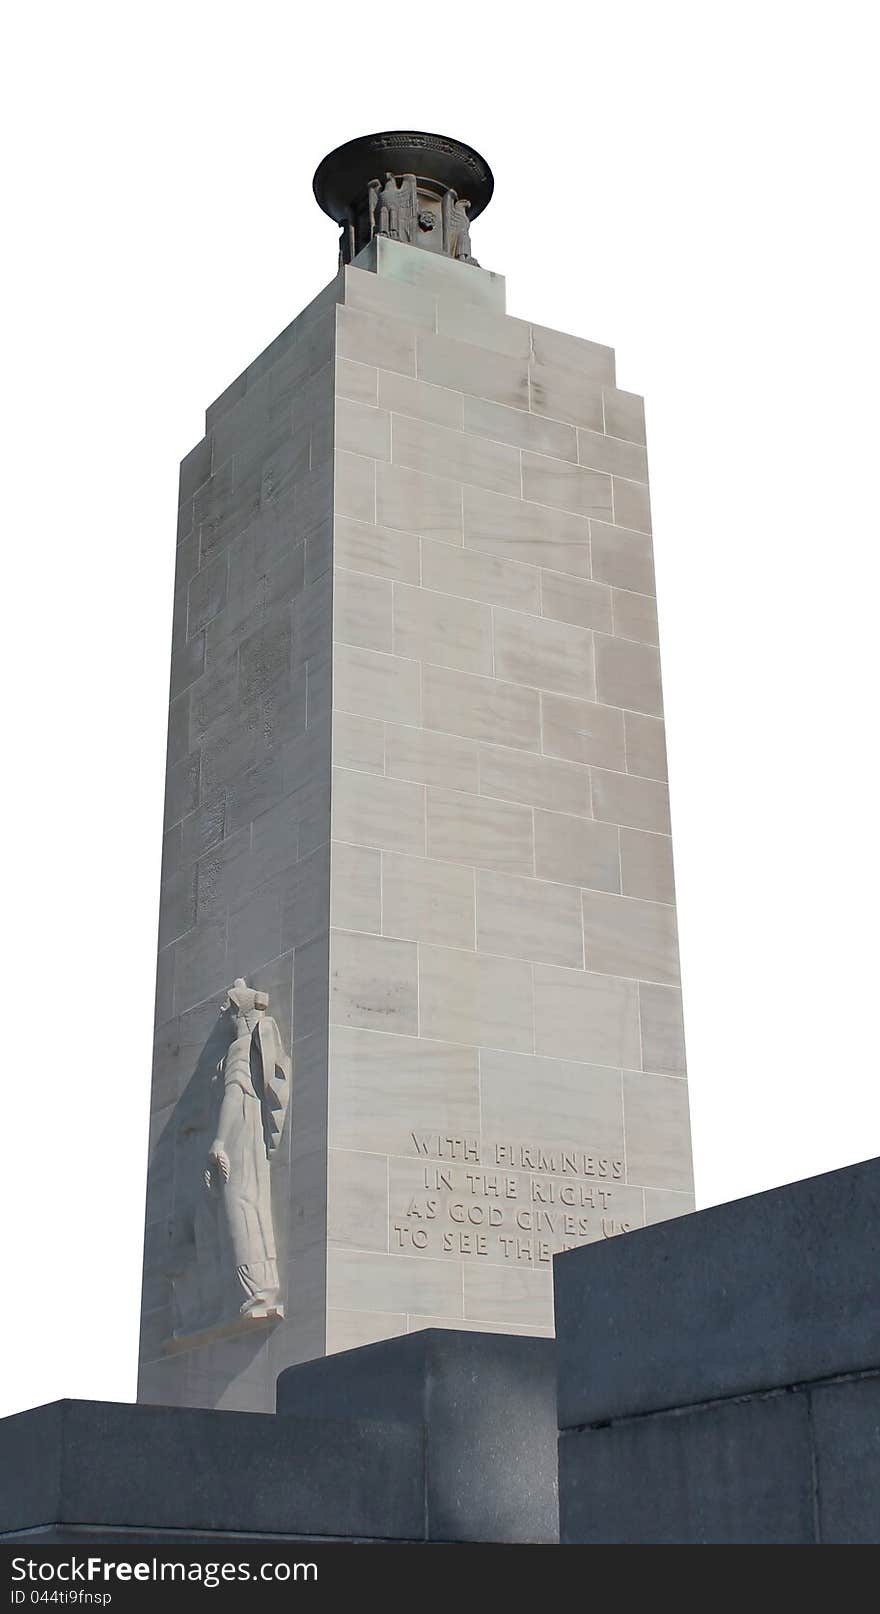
pixel 421 189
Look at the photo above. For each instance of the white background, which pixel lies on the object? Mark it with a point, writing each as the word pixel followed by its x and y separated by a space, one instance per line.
pixel 693 184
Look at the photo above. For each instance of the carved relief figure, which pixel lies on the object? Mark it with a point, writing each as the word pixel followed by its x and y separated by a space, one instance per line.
pixel 256 1087
pixel 374 190
pixel 347 242
pixel 397 208
pixel 457 227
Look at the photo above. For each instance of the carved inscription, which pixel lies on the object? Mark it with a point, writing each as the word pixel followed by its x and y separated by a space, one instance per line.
pixel 509 1202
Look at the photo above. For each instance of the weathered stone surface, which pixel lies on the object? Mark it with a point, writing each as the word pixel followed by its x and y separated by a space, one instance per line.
pixel 737 1299
pixel 733 1475
pixel 109 1466
pixel 484 1405
pixel 846 1436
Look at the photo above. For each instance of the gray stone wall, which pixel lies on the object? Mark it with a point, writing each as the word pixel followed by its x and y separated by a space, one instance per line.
pixel 415 547
pixel 367 1446
pixel 738 1400
pixel 491 1396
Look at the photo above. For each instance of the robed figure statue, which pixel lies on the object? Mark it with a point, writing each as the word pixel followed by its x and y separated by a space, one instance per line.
pixel 256 1087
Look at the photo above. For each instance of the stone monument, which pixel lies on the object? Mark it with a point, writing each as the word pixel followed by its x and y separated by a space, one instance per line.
pixel 416 811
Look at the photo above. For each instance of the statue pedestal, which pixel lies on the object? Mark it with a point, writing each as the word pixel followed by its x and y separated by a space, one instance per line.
pixel 234 1329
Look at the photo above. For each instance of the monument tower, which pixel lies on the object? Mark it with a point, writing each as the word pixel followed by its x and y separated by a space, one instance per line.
pixel 418 1015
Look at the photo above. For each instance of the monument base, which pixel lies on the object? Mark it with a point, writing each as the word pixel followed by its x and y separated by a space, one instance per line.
pixel 734 1399
pixel 378 1456
pixel 737 1399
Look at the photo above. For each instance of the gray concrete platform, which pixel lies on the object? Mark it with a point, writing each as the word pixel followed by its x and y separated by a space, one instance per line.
pixel 738 1474
pixel 485 1406
pixel 89 1467
pixel 765 1291
pixel 719 1376
pixel 436 1436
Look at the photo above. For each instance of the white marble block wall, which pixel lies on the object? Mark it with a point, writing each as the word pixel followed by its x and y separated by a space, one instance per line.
pixel 504 962
pixel 414 549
